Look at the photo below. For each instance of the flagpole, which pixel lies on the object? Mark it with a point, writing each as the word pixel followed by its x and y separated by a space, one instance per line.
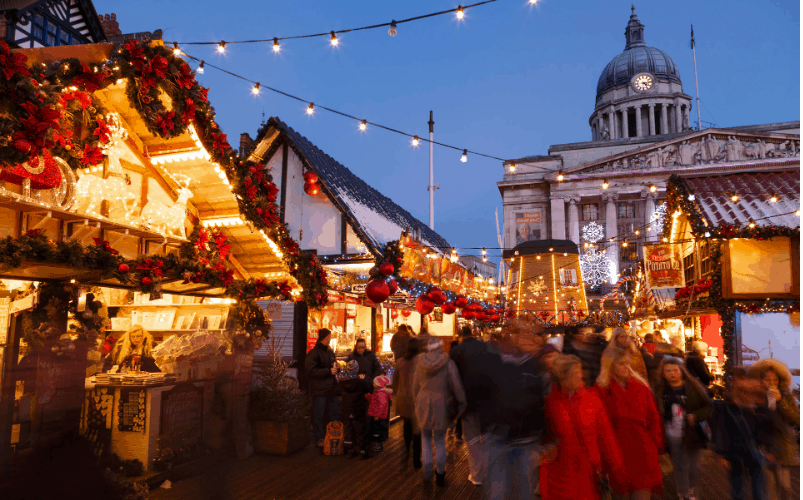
pixel 696 85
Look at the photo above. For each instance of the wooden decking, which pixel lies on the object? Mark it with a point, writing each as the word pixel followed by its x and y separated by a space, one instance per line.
pixel 309 475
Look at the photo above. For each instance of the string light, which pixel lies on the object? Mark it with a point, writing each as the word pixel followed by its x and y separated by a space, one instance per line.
pixel 363 125
pixel 637 232
pixel 460 12
pixel 311 108
pixel 276 47
pixel 734 197
pixel 605 184
pixel 176 50
pixel 560 176
pixel 797 212
pixel 752 224
pixel 221 47
pixel 464 158
pixel 653 188
pixel 255 90
pixel 624 244
pixel 415 141
pixel 200 68
pixel 333 40
pixel 392 30
pixel 691 196
pixel 665 240
pixel 512 167
pixel 483 251
pixel 774 199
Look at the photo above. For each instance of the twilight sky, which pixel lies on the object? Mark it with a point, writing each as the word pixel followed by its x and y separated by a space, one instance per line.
pixel 509 80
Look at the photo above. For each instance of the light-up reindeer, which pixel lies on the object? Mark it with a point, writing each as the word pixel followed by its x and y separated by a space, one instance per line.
pixel 91 190
pixel 166 219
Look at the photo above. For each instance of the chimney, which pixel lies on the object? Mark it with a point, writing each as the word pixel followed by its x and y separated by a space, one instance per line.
pixel 246 144
pixel 110 25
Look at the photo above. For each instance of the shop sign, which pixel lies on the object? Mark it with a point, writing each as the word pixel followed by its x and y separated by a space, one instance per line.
pixel 358 289
pixel 350 299
pixel 25 303
pixel 334 296
pixel 182 413
pixel 664 266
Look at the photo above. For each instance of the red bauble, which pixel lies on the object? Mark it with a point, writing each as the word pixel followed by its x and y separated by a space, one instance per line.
pixel 394 314
pixel 122 268
pixel 449 308
pixel 436 295
pixel 394 287
pixel 480 315
pixel 461 301
pixel 146 281
pixel 474 307
pixel 310 177
pixel 386 268
pixel 312 189
pixel 423 305
pixel 465 313
pixel 495 317
pixel 511 314
pixel 406 313
pixel 377 291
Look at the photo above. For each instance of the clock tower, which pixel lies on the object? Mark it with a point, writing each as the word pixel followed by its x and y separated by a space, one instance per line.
pixel 639 92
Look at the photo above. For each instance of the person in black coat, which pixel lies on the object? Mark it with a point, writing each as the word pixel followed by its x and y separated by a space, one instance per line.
pixel 352 390
pixel 369 364
pixel 589 348
pixel 695 363
pixel 321 370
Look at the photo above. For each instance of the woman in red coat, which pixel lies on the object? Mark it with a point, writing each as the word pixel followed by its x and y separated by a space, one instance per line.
pixel 637 425
pixel 586 440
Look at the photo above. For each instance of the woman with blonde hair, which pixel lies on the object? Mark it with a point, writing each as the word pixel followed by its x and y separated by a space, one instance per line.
pixel 777 382
pixel 134 347
pixel 636 425
pixel 622 341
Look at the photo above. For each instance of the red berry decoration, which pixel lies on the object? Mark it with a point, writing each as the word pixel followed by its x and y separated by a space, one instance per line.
pixel 310 177
pixel 377 291
pixel 448 308
pixel 386 268
pixel 423 305
pixel 394 287
pixel 147 281
pixel 122 268
pixel 460 301
pixel 312 189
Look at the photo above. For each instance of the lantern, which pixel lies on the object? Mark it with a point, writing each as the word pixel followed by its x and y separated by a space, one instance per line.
pixel 449 308
pixel 423 305
pixel 386 268
pixel 377 291
pixel 461 301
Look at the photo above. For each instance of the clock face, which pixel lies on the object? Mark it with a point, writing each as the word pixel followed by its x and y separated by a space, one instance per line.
pixel 642 83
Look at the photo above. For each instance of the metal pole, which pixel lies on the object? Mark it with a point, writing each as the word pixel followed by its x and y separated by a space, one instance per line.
pixel 696 85
pixel 431 187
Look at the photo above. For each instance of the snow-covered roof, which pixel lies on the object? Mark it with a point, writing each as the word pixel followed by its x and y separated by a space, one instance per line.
pixel 374 216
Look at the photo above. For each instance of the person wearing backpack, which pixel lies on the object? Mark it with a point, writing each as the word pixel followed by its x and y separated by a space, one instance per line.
pixel 321 371
pixel 353 389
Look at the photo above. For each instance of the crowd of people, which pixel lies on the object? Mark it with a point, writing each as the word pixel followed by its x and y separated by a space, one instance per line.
pixel 571 420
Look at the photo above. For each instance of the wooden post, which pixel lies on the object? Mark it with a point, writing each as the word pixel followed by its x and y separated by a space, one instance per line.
pixel 373 330
pixel 300 313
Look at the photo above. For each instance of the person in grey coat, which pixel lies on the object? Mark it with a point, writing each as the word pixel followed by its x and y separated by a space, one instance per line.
pixel 439 399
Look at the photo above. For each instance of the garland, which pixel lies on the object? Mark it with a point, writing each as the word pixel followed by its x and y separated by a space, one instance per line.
pixel 50 109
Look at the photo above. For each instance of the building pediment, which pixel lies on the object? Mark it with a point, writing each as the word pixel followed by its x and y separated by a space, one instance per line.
pixel 706 148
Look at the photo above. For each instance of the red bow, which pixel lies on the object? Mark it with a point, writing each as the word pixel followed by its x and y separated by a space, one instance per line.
pixel 12 63
pixel 220 142
pixel 92 155
pixel 106 246
pixel 165 122
pixel 185 78
pixel 189 111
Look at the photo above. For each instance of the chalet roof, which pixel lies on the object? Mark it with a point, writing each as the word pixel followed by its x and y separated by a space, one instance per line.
pixel 713 192
pixel 15 4
pixel 374 216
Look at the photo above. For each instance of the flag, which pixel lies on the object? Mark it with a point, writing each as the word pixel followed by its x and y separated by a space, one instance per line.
pixel 692 37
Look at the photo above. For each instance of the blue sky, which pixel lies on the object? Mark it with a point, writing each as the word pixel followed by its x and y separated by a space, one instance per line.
pixel 509 80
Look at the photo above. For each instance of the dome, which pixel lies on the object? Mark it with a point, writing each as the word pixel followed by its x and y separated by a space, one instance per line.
pixel 634 61
pixel 636 58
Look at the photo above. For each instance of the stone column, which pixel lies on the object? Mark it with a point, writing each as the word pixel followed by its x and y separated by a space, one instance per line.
pixel 625 128
pixel 574 220
pixel 687 117
pixel 664 118
pixel 652 118
pixel 558 217
pixel 638 122
pixel 678 117
pixel 612 124
pixel 611 231
pixel 649 210
pixel 600 125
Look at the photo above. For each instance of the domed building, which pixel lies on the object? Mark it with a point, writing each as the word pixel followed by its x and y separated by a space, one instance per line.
pixel 639 92
pixel 605 195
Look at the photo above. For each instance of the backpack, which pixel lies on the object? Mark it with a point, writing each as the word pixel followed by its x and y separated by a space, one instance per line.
pixel 333 442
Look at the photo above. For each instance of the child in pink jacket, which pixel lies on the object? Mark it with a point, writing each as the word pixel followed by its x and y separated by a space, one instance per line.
pixel 379 411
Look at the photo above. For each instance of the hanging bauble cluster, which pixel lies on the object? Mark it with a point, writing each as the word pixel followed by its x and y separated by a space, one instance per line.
pixel 311 186
pixel 382 284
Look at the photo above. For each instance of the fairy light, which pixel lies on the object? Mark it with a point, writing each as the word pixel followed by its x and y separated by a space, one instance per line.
pixel 734 197
pixel 255 90
pixel 200 68
pixel 624 244
pixel 392 30
pixel 460 14
pixel 560 177
pixel 605 184
pixel 333 39
pixel 637 232
pixel 276 47
pixel 774 199
pixel 751 225
pixel 311 108
pixel 221 47
pixel 797 212
pixel 176 50
pixel 415 141
pixel 653 188
pixel 512 167
pixel 464 158
pixel 363 126
pixel 691 197
pixel 665 240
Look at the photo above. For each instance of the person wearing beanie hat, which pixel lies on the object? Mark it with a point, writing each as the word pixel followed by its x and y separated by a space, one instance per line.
pixel 352 390
pixel 379 411
pixel 321 373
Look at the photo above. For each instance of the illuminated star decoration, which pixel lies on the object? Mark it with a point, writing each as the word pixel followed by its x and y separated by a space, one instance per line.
pixel 537 287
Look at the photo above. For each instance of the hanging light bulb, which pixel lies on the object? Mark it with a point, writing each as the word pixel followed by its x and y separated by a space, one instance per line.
pixel 460 12
pixel 734 197
pixel 311 108
pixel 560 176
pixel 464 158
pixel 691 196
pixel 333 39
pixel 221 47
pixel 751 225
pixel 774 199
pixel 392 30
pixel 637 232
pixel 414 142
pixel 176 50
pixel 624 244
pixel 797 212
pixel 276 47
pixel 255 90
pixel 653 188
pixel 363 126
pixel 605 184
pixel 512 167
pixel 665 240
pixel 200 68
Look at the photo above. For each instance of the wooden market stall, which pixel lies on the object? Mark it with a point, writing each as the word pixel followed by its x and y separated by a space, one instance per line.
pixel 136 246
